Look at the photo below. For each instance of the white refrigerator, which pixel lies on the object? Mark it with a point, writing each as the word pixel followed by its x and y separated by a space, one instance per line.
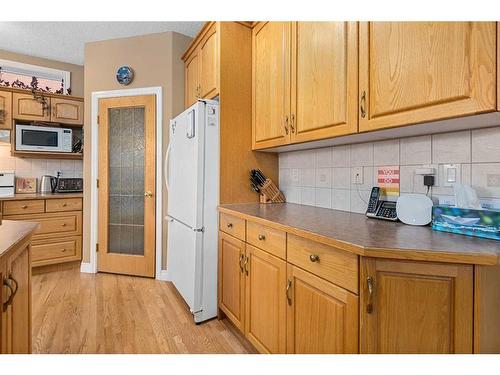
pixel 192 179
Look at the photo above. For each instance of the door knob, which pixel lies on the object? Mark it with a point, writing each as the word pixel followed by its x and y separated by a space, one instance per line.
pixel 148 194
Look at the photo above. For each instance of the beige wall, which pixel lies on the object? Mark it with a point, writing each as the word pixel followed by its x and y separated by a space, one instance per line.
pixel 156 60
pixel 76 70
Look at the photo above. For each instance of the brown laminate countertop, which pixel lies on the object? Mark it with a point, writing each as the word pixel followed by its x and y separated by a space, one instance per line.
pixel 22 197
pixel 13 233
pixel 369 237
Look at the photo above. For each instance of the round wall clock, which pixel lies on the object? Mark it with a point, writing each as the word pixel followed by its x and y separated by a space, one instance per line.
pixel 124 75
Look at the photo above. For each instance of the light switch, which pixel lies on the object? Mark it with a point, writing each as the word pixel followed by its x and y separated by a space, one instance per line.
pixel 451 174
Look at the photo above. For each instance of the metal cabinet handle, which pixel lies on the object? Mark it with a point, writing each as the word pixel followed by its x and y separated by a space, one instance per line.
pixel 314 258
pixel 9 300
pixel 371 291
pixel 63 224
pixel 362 104
pixel 245 265
pixel 286 124
pixel 148 194
pixel 262 237
pixel 64 204
pixel 242 258
pixel 292 123
pixel 24 206
pixel 288 289
pixel 63 250
pixel 229 225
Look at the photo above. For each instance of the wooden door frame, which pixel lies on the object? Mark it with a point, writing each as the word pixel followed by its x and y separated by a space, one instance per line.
pixel 91 266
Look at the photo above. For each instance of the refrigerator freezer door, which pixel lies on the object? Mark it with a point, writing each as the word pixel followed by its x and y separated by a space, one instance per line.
pixel 184 262
pixel 186 166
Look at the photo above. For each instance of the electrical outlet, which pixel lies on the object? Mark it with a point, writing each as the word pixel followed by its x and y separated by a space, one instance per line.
pixel 493 180
pixel 357 175
pixel 490 204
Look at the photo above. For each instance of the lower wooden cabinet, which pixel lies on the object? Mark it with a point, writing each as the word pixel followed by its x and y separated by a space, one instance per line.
pixel 15 328
pixel 265 302
pixel 232 279
pixel 415 307
pixel 322 318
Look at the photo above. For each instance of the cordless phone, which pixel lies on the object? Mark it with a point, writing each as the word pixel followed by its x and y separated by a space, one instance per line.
pixel 380 209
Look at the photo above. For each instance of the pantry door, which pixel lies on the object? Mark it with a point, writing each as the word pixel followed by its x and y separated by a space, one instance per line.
pixel 127 185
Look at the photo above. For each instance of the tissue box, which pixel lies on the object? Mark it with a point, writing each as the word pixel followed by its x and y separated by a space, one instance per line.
pixel 477 223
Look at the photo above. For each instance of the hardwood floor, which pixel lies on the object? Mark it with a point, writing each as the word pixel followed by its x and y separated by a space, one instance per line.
pixel 105 313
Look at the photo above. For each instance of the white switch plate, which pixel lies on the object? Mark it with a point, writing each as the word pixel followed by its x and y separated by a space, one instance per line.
pixel 357 175
pixel 451 174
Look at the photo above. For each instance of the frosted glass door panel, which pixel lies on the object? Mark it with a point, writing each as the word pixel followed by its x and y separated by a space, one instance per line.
pixel 126 181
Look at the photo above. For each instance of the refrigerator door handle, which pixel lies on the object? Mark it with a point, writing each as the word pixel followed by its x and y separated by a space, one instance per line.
pixel 167 157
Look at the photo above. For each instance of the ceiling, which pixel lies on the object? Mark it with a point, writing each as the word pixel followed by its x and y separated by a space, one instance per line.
pixel 64 41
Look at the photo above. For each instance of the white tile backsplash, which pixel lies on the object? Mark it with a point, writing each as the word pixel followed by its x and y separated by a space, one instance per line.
pixel 322 177
pixel 24 167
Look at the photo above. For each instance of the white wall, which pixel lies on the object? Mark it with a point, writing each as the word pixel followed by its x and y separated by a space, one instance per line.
pixel 322 177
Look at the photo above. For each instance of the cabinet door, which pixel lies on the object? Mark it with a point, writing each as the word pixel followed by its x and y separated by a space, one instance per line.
pixel 415 307
pixel 209 64
pixel 192 79
pixel 322 318
pixel 4 295
pixel 18 313
pixel 232 279
pixel 413 72
pixel 5 110
pixel 265 318
pixel 67 111
pixel 27 108
pixel 324 80
pixel 271 84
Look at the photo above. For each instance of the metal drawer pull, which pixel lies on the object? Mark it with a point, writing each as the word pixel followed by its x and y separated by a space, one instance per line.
pixel 245 264
pixel 314 258
pixel 229 225
pixel 63 250
pixel 24 206
pixel 63 224
pixel 64 204
pixel 262 237
pixel 288 288
pixel 9 300
pixel 371 290
pixel 242 258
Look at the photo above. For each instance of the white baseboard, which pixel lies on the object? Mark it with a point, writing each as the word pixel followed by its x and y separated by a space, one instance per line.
pixel 162 275
pixel 86 268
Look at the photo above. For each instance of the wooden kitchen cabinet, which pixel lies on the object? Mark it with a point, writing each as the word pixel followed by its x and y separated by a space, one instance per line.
pixel 232 279
pixel 322 318
pixel 413 72
pixel 271 84
pixel 5 110
pixel 66 111
pixel 24 107
pixel 324 80
pixel 192 86
pixel 415 307
pixel 16 311
pixel 201 66
pixel 265 302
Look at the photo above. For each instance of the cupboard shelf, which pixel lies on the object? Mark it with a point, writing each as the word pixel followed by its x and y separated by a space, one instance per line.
pixel 47 155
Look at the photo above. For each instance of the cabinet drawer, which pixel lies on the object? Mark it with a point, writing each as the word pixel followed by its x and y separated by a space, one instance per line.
pixel 329 263
pixel 66 204
pixel 266 238
pixel 23 207
pixel 232 225
pixel 54 224
pixel 55 249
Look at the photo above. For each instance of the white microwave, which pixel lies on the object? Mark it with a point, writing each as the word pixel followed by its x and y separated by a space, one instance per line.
pixel 42 138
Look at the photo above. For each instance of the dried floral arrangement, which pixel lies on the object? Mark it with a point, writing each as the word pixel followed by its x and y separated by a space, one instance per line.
pixel 33 86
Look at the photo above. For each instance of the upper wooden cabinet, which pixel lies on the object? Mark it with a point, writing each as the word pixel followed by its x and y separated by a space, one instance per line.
pixel 201 66
pixel 66 111
pixel 5 110
pixel 412 72
pixel 415 307
pixel 27 108
pixel 324 80
pixel 271 84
